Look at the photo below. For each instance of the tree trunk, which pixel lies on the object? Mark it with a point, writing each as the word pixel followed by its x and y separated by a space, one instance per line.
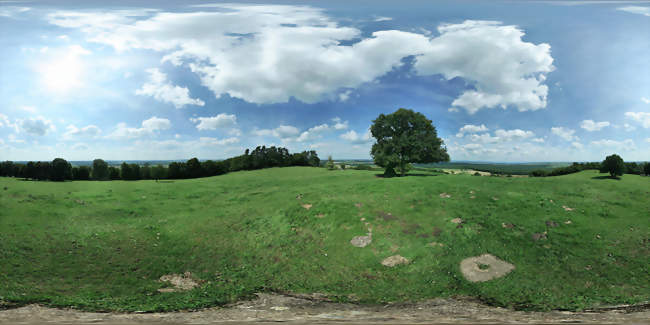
pixel 401 166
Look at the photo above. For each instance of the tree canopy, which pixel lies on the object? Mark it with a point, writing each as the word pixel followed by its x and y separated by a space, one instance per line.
pixel 405 137
pixel 613 165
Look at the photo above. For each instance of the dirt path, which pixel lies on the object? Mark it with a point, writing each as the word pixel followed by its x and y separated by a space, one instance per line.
pixel 310 309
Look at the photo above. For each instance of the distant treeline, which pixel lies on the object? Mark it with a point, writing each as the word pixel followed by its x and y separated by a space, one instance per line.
pixel 630 168
pixel 60 170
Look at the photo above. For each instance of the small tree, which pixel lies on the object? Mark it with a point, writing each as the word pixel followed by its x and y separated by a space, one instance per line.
pixel 405 137
pixel 330 163
pixel 613 165
pixel 113 173
pixel 100 169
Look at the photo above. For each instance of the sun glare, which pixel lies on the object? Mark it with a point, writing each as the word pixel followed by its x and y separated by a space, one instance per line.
pixel 64 71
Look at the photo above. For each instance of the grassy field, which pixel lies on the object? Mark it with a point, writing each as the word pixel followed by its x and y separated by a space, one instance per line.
pixel 104 245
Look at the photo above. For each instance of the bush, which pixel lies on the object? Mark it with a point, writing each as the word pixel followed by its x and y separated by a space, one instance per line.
pixel 330 163
pixel 477 174
pixel 646 169
pixel 363 167
pixel 537 173
pixel 81 173
pixel 113 173
pixel 342 166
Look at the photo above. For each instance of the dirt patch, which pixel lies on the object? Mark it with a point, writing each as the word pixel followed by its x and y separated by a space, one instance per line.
pixel 444 196
pixel 410 229
pixel 306 206
pixel 568 222
pixel 358 205
pixel 484 268
pixel 81 202
pixel 387 216
pixel 457 221
pixel 566 208
pixel 181 282
pixel 539 236
pixel 306 310
pixel 361 241
pixel 394 260
pixel 436 232
pixel 299 197
pixel 507 225
pixel 551 224
pixel 320 216
pixel 434 244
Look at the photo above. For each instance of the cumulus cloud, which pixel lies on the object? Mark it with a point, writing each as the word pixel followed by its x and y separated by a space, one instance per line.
pixel 220 121
pixel 469 128
pixel 5 122
pixel 513 135
pixel 577 145
pixel 642 117
pixel 591 126
pixel 159 88
pixel 627 144
pixel 313 133
pixel 538 140
pixel 357 138
pixel 645 100
pixel 270 53
pixel 149 127
pixel 36 125
pixel 12 11
pixel 339 124
pixel 564 133
pixel 483 138
pixel 89 131
pixel 282 132
pixel 628 127
pixel 647 140
pixel 636 10
pixel 218 142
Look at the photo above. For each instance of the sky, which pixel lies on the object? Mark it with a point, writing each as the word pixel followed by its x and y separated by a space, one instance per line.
pixel 502 81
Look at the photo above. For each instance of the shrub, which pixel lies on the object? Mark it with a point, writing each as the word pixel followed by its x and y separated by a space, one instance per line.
pixel 477 174
pixel 646 169
pixel 537 173
pixel 363 167
pixel 614 165
pixel 330 163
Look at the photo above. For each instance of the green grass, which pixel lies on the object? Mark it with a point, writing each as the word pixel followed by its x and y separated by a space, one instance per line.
pixel 246 232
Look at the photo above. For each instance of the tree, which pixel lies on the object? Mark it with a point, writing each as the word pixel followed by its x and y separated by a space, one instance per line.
pixel 193 168
pixel 646 169
pixel 613 165
pixel 145 171
pixel 330 163
pixel 405 137
pixel 81 173
pixel 61 170
pixel 100 169
pixel 113 173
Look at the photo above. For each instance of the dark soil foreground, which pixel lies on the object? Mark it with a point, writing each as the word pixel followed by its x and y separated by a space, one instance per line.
pixel 304 309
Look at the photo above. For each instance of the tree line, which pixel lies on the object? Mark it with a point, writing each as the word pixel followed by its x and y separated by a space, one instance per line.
pixel 60 170
pixel 613 165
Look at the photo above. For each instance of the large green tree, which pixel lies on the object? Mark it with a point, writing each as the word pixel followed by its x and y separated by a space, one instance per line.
pixel 100 169
pixel 405 137
pixel 60 170
pixel 613 165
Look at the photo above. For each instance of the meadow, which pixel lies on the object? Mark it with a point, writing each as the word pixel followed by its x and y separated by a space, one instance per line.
pixel 103 245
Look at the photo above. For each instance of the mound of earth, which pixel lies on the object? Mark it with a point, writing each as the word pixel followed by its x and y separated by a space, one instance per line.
pixel 484 268
pixel 181 282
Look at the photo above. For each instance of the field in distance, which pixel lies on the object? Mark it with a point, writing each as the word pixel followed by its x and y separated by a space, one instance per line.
pixel 576 241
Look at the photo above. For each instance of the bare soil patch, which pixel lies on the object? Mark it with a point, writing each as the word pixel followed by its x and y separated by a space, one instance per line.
pixel 484 268
pixel 180 282
pixel 306 308
pixel 394 260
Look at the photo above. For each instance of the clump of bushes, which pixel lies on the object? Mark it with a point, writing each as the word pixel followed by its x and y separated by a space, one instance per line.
pixel 363 167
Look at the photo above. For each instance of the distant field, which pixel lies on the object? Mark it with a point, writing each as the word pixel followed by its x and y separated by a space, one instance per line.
pixel 104 245
pixel 513 169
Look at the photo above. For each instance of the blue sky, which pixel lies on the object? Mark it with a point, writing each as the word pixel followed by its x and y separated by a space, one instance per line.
pixel 511 81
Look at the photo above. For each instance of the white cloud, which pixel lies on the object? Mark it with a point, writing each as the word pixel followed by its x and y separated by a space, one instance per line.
pixel 356 138
pixel 12 11
pixel 645 100
pixel 538 140
pixel 30 109
pixel 85 132
pixel 159 88
pixel 628 127
pixel 12 138
pixel 380 18
pixel 282 132
pixel 270 53
pixel 591 126
pixel 564 133
pixel 339 124
pixel 483 138
pixel 469 128
pixel 222 120
pixel 577 145
pixel 313 133
pixel 218 142
pixel 80 146
pixel 506 70
pixel 344 96
pixel 636 10
pixel 149 127
pixel 4 121
pixel 63 69
pixel 647 140
pixel 642 117
pixel 156 123
pixel 512 135
pixel 627 144
pixel 36 126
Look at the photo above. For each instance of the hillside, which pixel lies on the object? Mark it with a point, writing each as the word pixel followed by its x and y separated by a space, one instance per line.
pixel 105 245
